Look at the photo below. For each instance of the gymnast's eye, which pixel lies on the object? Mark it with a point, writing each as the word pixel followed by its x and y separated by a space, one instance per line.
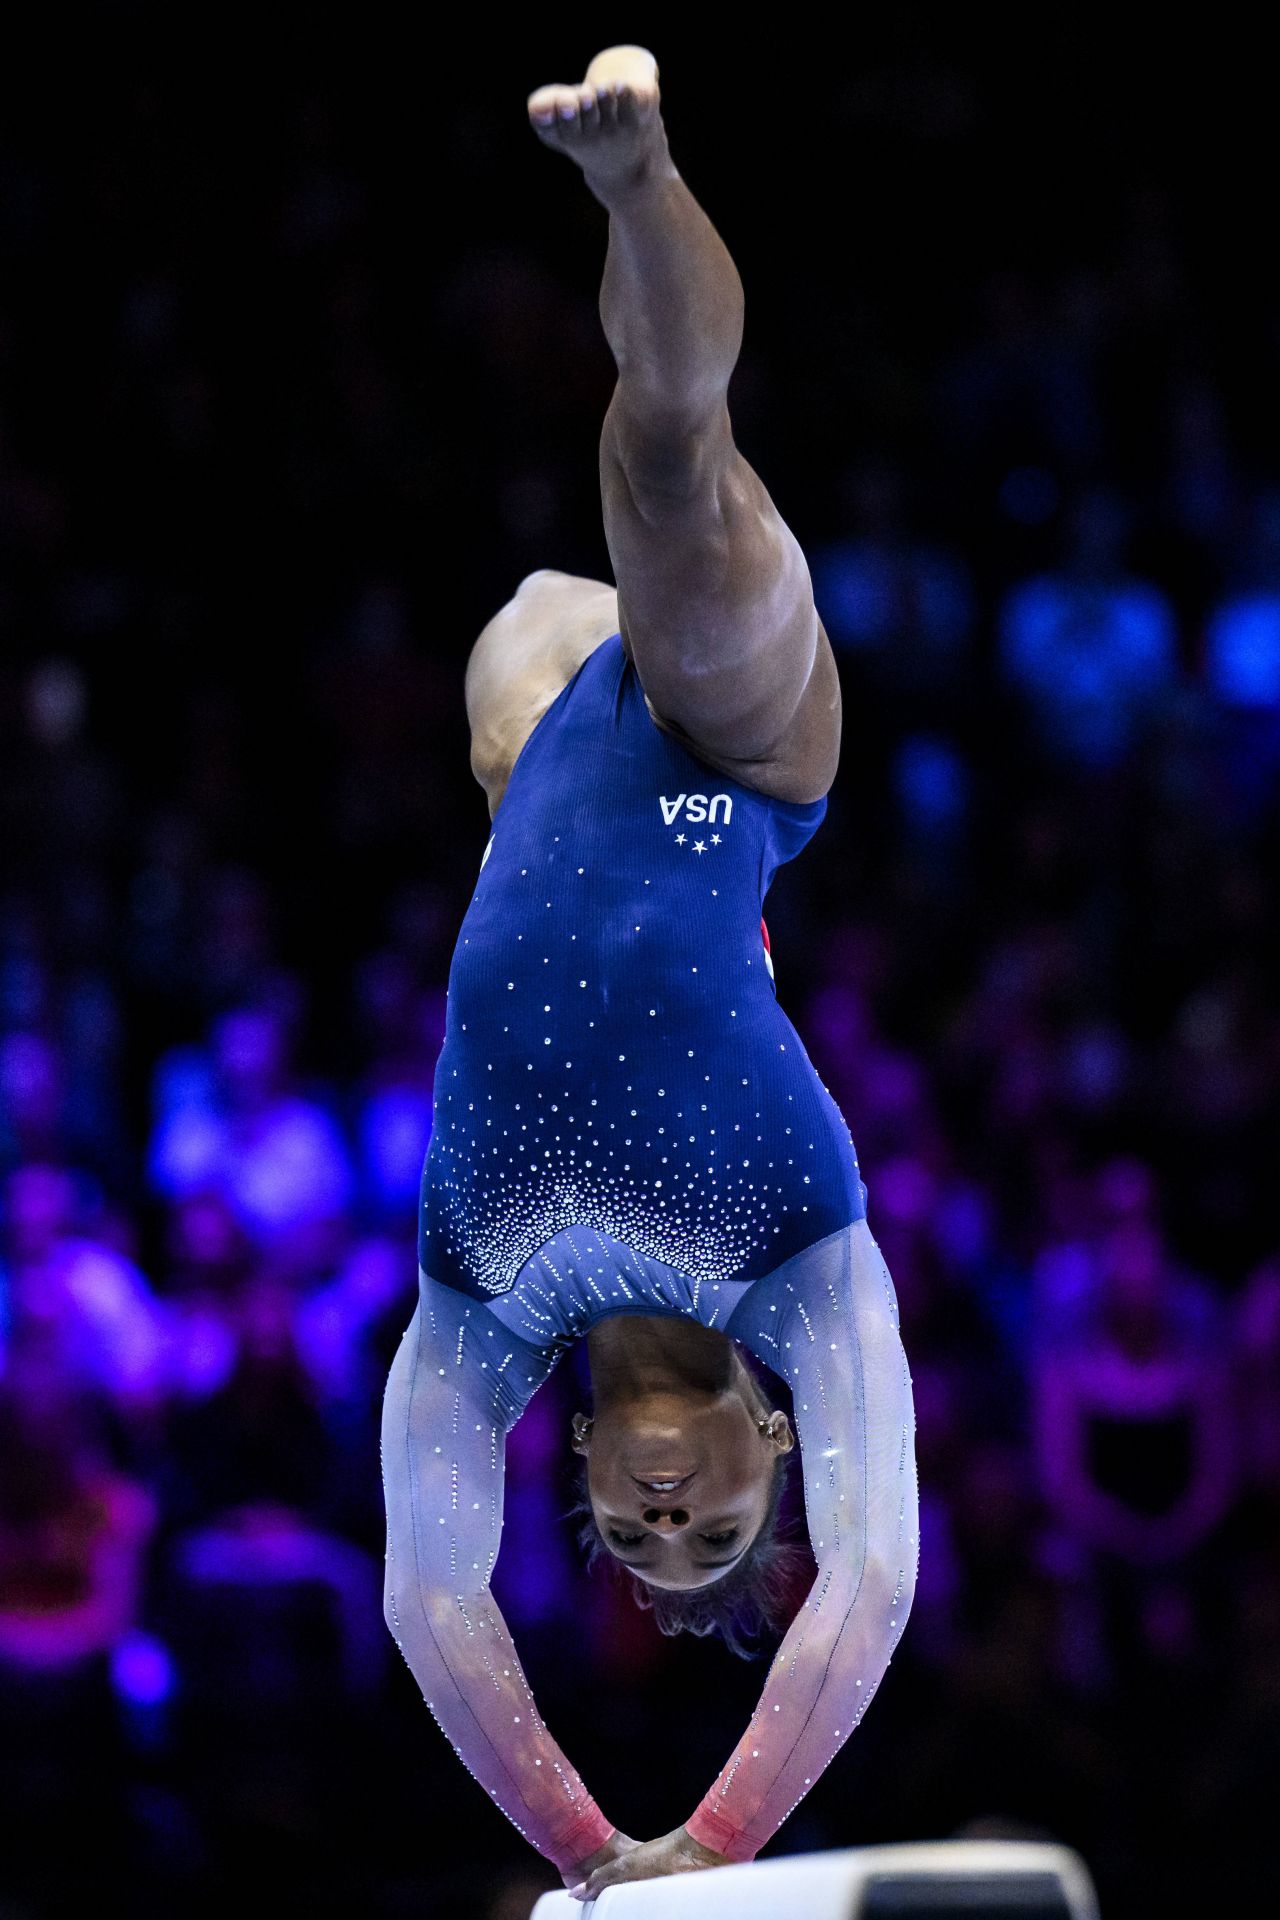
pixel 625 1539
pixel 720 1539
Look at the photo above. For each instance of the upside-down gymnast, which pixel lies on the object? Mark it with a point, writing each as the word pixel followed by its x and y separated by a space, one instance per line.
pixel 630 1143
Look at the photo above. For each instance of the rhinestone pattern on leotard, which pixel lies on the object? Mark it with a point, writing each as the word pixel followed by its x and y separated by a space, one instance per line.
pixel 615 1055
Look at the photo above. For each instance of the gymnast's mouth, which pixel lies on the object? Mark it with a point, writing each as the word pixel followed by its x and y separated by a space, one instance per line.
pixel 662 1483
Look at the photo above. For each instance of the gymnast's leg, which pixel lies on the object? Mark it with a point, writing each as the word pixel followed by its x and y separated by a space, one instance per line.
pixel 715 600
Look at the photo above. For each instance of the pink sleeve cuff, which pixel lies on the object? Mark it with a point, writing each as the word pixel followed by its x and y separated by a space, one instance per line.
pixel 582 1840
pixel 711 1829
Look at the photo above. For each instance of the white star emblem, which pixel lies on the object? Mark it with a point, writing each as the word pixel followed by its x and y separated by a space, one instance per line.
pixel 679 839
pixel 699 846
pixel 715 839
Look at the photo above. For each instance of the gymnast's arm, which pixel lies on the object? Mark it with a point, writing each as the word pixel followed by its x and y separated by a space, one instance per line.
pixel 458 1384
pixel 827 1322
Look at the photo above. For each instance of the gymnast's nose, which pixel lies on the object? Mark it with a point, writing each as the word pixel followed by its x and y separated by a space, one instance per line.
pixel 654 1516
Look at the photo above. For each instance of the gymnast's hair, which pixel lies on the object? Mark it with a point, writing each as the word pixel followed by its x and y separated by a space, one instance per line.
pixel 749 1601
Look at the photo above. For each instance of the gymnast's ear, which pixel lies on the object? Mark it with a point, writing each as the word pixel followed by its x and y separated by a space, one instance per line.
pixel 581 1436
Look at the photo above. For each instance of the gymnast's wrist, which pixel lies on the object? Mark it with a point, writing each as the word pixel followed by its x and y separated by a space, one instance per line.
pixel 591 1841
pixel 704 1855
pixel 711 1831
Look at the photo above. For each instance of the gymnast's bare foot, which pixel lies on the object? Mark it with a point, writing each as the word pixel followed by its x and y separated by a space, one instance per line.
pixel 610 123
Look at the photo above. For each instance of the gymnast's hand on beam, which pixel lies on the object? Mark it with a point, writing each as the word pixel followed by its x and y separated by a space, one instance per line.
pixel 676 1852
pixel 614 1847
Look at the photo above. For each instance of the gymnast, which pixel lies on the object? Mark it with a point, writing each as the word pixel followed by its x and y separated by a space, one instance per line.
pixel 630 1143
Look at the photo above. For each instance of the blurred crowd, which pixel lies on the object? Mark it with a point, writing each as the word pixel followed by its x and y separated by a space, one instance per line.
pixel 1033 953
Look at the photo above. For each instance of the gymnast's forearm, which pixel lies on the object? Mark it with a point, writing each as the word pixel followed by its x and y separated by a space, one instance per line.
pixel 842 1355
pixel 540 1794
pixel 437 1437
pixel 822 1681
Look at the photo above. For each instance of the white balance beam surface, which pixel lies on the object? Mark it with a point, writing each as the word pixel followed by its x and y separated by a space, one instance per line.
pixel 926 1880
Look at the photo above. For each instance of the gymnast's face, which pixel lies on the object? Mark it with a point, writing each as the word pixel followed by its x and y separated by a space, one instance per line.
pixel 680 1481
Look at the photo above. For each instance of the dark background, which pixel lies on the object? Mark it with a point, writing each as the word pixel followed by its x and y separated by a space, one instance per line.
pixel 300 373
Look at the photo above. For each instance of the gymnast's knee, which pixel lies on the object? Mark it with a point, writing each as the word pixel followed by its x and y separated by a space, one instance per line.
pixel 665 458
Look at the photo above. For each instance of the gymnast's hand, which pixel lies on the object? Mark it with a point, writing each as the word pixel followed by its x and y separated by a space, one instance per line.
pixel 676 1852
pixel 613 1849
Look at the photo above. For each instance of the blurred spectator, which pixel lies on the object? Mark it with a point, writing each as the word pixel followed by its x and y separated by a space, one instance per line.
pixel 89 1306
pixel 257 1432
pixel 1138 1449
pixel 259 1583
pixel 60 1101
pixel 339 1322
pixel 1257 1359
pixel 73 1532
pixel 1242 644
pixel 1088 647
pixel 1242 656
pixel 32 1096
pixel 74 1538
pixel 209 1262
pixel 1066 1273
pixel 405 1031
pixel 902 604
pixel 235 1120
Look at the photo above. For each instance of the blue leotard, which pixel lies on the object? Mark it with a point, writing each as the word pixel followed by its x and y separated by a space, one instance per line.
pixel 626 1121
pixel 615 1055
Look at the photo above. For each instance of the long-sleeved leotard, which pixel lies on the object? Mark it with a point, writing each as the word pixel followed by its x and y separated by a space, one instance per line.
pixel 626 1122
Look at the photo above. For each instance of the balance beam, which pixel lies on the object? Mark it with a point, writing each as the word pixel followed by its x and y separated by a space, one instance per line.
pixel 926 1880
